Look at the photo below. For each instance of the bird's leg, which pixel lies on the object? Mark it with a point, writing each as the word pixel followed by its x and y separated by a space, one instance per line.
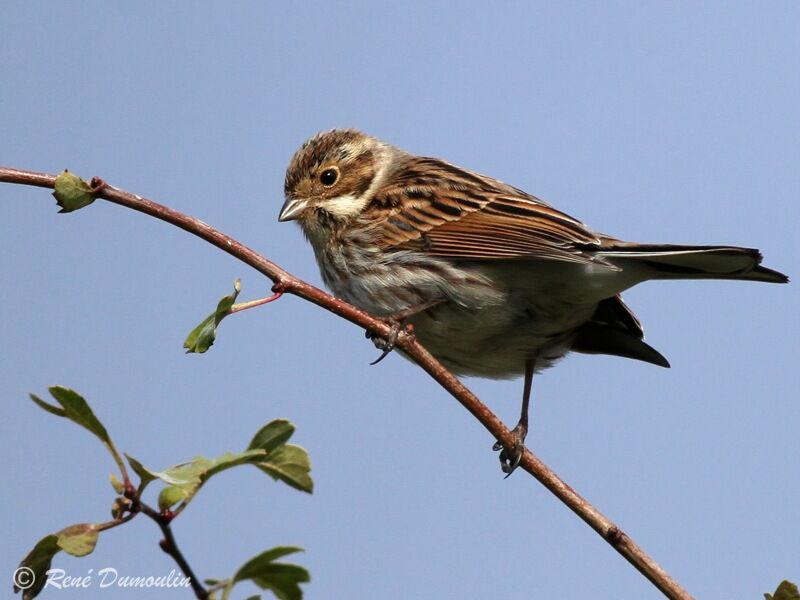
pixel 510 457
pixel 396 321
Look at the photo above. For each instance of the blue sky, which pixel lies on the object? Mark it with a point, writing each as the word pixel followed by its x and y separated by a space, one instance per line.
pixel 653 122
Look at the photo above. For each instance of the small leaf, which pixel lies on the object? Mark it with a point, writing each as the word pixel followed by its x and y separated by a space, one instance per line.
pixel 31 575
pixel 253 566
pixel 145 474
pixel 77 409
pixel 78 540
pixel 272 435
pixel 181 474
pixel 116 484
pixel 283 581
pixel 191 475
pixel 234 459
pixel 170 496
pixel 280 578
pixel 55 410
pixel 72 192
pixel 268 574
pixel 202 337
pixel 290 464
pixel 785 591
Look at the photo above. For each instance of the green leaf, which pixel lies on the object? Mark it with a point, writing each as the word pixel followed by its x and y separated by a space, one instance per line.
pixel 202 337
pixel 182 474
pixel 145 474
pixel 272 435
pixel 54 410
pixel 78 540
pixel 234 459
pixel 280 578
pixel 283 581
pixel 31 575
pixel 785 591
pixel 290 464
pixel 77 409
pixel 72 192
pixel 253 567
pixel 189 476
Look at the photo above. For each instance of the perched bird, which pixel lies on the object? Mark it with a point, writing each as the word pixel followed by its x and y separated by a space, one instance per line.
pixel 496 282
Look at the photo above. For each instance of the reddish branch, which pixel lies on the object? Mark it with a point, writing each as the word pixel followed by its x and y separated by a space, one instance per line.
pixel 285 282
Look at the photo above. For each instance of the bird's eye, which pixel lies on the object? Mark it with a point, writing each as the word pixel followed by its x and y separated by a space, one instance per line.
pixel 329 176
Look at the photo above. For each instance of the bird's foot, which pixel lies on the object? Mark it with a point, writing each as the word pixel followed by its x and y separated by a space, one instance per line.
pixel 386 344
pixel 511 457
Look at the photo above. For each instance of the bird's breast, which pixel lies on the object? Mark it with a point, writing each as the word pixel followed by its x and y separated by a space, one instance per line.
pixel 388 283
pixel 476 319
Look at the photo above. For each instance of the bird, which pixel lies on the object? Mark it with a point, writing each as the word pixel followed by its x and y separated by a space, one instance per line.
pixel 495 282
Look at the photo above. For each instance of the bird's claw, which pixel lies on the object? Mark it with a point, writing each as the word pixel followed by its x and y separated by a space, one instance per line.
pixel 385 344
pixel 511 457
pixel 384 354
pixel 397 324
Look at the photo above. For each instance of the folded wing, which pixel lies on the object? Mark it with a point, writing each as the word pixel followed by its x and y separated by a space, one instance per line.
pixel 446 211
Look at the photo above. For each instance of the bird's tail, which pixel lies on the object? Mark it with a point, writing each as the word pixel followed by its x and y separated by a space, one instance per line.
pixel 667 261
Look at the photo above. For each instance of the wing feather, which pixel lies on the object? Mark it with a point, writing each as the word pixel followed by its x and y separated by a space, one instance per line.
pixel 447 211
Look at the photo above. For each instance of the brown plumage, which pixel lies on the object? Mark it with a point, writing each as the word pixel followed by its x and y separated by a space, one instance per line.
pixel 496 282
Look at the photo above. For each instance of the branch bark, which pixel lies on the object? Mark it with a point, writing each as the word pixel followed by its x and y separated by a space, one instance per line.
pixel 285 282
pixel 170 546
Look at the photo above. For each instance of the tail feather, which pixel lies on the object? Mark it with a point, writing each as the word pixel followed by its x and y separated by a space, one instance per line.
pixel 668 261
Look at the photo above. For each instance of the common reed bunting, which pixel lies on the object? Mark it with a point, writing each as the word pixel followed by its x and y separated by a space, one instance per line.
pixel 496 282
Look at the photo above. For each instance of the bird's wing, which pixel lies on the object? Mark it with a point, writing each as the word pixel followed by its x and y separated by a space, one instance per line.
pixel 446 211
pixel 615 330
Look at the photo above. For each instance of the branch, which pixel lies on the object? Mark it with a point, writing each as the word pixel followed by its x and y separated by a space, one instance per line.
pixel 285 282
pixel 170 546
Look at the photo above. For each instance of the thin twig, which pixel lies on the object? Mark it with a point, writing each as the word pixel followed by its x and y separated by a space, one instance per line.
pixel 253 303
pixel 170 546
pixel 287 283
pixel 114 523
pixel 120 463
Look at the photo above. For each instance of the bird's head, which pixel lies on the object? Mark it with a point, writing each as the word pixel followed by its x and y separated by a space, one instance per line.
pixel 331 178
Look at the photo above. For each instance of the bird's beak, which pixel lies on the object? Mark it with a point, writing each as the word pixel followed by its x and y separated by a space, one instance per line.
pixel 292 209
